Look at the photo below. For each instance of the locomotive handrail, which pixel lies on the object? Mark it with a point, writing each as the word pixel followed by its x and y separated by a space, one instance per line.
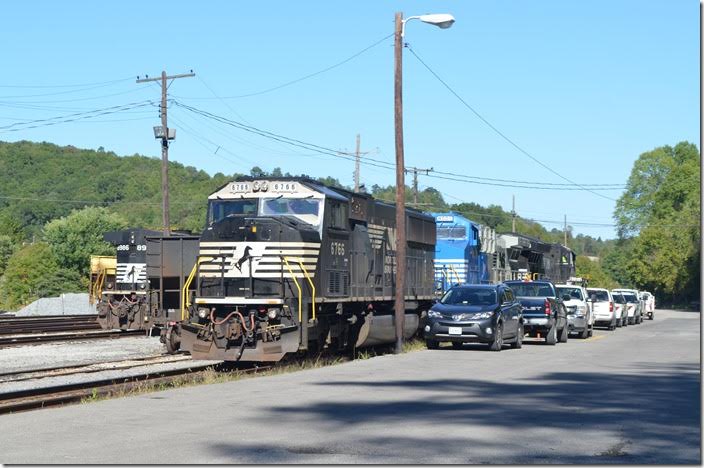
pixel 300 292
pixel 312 287
pixel 456 274
pixel 185 302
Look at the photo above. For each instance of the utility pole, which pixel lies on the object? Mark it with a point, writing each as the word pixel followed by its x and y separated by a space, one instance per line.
pixel 565 230
pixel 513 214
pixel 399 299
pixel 415 172
pixel 165 135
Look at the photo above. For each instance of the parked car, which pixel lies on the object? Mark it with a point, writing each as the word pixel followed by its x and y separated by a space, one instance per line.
pixel 544 310
pixel 635 308
pixel 579 311
pixel 471 313
pixel 635 305
pixel 649 300
pixel 605 313
pixel 621 307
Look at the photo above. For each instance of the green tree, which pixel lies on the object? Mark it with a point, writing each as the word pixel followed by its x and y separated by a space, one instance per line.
pixel 658 220
pixel 594 273
pixel 79 235
pixel 7 248
pixel 33 272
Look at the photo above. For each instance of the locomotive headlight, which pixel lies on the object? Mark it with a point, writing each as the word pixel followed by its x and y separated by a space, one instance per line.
pixel 265 186
pixel 109 285
pixel 256 185
pixel 273 313
pixel 202 312
pixel 142 286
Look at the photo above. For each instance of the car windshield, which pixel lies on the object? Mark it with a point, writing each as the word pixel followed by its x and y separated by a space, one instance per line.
pixel 574 293
pixel 306 209
pixel 600 296
pixel 469 296
pixel 630 297
pixel 533 289
pixel 618 298
pixel 221 209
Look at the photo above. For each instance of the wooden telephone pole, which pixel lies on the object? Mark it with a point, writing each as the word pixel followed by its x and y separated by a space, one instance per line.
pixel 415 172
pixel 165 135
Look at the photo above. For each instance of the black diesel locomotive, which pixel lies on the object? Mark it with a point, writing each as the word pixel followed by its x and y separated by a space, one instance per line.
pixel 289 264
pixel 142 288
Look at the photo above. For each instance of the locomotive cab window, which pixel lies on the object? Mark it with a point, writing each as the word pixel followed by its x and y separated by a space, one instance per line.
pixel 305 209
pixel 221 209
pixel 338 215
pixel 454 232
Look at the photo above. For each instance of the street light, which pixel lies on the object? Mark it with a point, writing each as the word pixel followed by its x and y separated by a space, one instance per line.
pixel 442 21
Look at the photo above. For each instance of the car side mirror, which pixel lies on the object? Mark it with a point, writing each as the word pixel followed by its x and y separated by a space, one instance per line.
pixel 566 297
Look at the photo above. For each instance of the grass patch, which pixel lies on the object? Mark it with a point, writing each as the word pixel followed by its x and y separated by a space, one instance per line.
pixel 232 372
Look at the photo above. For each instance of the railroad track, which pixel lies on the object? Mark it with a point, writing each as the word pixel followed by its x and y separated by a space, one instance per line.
pixel 47 323
pixel 23 400
pixel 40 338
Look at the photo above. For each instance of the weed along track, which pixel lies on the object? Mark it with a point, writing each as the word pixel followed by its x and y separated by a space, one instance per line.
pixel 148 380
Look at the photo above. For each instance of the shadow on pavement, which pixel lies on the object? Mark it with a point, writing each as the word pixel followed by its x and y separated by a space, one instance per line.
pixel 657 406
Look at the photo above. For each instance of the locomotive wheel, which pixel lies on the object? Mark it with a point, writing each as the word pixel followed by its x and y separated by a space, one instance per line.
pixel 173 341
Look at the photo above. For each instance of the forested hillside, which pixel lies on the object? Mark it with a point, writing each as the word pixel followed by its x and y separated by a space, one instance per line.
pixel 55 203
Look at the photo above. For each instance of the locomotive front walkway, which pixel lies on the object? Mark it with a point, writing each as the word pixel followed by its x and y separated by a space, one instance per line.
pixel 629 396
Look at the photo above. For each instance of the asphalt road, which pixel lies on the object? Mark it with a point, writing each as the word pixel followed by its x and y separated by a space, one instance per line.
pixel 629 396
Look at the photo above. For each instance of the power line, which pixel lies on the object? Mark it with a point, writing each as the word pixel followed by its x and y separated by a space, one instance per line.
pixel 67 86
pixel 72 117
pixel 375 162
pixel 297 80
pixel 498 132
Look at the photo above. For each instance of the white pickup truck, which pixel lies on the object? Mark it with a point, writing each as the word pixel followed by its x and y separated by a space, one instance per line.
pixel 579 309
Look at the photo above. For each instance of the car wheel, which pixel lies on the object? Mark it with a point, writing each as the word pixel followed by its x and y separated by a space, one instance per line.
pixel 651 316
pixel 432 344
pixel 565 333
pixel 498 341
pixel 518 344
pixel 585 333
pixel 456 345
pixel 619 323
pixel 551 337
pixel 591 332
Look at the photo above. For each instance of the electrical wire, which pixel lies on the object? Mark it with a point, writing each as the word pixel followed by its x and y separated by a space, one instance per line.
pixel 501 134
pixel 371 161
pixel 68 86
pixel 297 80
pixel 72 117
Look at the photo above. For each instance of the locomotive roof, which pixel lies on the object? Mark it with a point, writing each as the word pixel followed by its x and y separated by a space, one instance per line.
pixel 337 193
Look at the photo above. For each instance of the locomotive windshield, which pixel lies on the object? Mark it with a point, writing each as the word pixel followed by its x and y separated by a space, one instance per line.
pixel 306 209
pixel 454 232
pixel 221 209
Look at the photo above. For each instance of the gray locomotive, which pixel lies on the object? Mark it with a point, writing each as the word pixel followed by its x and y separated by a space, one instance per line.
pixel 289 264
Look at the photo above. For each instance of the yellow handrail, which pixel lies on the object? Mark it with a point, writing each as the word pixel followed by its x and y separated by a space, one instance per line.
pixel 456 274
pixel 185 302
pixel 298 286
pixel 312 287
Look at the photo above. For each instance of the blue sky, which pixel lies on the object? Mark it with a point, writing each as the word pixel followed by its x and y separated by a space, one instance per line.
pixel 585 87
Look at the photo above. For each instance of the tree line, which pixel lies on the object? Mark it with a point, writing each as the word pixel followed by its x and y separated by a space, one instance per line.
pixel 57 201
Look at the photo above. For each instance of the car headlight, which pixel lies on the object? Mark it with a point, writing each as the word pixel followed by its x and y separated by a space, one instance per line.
pixel 434 314
pixel 483 315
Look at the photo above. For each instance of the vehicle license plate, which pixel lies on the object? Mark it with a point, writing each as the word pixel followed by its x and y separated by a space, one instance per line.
pixel 455 330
